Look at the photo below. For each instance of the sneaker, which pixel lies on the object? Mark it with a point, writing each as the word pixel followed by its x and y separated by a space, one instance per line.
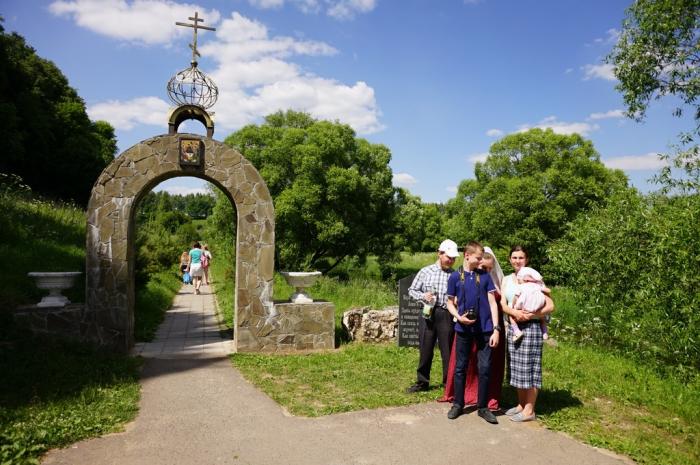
pixel 454 412
pixel 418 387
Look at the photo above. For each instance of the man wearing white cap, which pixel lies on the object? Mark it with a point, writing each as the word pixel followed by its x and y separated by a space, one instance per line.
pixel 430 287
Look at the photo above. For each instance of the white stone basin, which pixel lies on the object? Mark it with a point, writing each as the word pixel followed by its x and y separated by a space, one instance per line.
pixel 300 280
pixel 54 282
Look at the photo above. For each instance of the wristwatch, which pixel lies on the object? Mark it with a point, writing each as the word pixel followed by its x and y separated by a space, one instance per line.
pixel 497 328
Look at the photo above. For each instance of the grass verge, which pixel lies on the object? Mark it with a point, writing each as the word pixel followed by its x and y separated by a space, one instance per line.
pixel 56 393
pixel 152 301
pixel 602 399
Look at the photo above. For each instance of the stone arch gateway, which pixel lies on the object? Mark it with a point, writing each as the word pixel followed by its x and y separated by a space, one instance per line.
pixel 110 249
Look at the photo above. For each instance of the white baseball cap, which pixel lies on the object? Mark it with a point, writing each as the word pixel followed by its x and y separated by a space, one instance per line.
pixel 449 247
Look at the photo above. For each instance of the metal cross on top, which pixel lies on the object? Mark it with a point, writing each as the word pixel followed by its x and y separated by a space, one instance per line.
pixel 195 26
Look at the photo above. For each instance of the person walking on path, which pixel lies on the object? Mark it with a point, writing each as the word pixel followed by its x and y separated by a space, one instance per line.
pixel 525 354
pixel 430 287
pixel 206 261
pixel 184 261
pixel 498 354
pixel 471 300
pixel 195 266
pixel 184 266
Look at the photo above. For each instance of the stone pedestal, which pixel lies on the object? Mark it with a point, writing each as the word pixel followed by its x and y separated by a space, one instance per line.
pixel 71 321
pixel 294 327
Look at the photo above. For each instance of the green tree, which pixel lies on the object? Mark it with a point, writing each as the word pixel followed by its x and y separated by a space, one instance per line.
pixel 530 186
pixel 198 205
pixel 459 211
pixel 221 225
pixel 162 234
pixel 332 191
pixel 47 136
pixel 419 226
pixel 658 55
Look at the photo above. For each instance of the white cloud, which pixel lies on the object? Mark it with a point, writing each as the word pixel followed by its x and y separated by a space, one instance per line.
pixel 142 21
pixel 607 115
pixel 478 157
pixel 243 39
pixel 561 127
pixel 126 115
pixel 604 71
pixel 568 70
pixel 403 180
pixel 649 161
pixel 259 79
pixel 254 73
pixel 613 35
pixel 182 190
pixel 265 4
pixel 494 133
pixel 346 9
pixel 338 9
pixel 451 189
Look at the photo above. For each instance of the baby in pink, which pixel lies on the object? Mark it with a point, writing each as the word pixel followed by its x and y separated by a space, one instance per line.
pixel 529 297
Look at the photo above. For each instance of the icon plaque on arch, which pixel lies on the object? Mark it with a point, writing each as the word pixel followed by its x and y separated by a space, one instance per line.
pixel 191 152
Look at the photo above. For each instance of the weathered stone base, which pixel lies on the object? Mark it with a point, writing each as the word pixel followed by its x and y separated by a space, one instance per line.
pixel 294 327
pixel 365 325
pixel 70 322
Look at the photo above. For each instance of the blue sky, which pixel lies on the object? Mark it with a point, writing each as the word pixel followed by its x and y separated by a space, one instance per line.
pixel 435 81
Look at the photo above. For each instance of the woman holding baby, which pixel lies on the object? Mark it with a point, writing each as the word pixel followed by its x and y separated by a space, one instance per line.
pixel 525 349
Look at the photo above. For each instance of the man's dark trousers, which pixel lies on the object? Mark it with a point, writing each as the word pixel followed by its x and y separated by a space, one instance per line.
pixel 441 328
pixel 462 350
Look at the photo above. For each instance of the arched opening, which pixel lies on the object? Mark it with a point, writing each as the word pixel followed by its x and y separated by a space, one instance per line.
pixel 190 112
pixel 168 220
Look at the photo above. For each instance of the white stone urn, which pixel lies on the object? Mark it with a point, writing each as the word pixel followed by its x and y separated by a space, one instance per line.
pixel 300 280
pixel 54 282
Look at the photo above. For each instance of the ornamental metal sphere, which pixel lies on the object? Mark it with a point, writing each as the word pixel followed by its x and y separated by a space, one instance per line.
pixel 192 87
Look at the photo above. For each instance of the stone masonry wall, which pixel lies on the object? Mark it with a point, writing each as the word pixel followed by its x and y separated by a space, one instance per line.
pixel 110 260
pixel 294 327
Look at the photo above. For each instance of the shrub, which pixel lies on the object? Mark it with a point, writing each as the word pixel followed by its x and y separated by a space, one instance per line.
pixel 633 264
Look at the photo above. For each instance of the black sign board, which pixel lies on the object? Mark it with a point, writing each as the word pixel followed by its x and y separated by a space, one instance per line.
pixel 409 312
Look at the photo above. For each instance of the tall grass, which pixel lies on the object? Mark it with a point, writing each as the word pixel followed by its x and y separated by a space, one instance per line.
pixel 152 301
pixel 39 235
pixel 52 392
pixel 222 275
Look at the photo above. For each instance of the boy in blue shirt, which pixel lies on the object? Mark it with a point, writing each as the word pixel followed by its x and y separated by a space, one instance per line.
pixel 471 301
